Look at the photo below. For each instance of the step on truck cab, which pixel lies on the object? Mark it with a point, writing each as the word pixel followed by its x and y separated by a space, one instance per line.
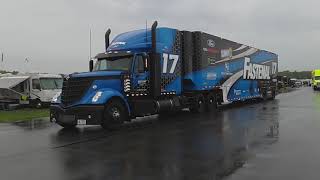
pixel 315 78
pixel 162 70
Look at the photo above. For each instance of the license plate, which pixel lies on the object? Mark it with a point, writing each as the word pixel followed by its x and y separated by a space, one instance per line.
pixel 82 122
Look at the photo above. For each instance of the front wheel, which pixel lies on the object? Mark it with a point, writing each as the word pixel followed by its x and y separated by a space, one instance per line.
pixel 115 113
pixel 36 103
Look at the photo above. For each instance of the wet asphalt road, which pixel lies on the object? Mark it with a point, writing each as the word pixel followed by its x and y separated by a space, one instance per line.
pixel 257 140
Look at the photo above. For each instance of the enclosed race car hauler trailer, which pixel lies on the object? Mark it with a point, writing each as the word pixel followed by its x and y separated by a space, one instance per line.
pixel 161 70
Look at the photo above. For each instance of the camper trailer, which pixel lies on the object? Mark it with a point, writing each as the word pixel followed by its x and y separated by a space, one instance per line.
pixel 35 90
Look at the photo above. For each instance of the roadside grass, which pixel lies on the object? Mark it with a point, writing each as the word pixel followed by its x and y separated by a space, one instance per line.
pixel 26 114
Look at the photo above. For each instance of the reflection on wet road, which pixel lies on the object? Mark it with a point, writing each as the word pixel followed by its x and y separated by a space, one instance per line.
pixel 240 141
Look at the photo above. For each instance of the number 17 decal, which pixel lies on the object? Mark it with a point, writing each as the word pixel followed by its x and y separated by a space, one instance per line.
pixel 166 58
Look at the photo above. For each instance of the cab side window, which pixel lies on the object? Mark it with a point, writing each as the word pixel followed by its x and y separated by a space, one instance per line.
pixel 36 84
pixel 139 64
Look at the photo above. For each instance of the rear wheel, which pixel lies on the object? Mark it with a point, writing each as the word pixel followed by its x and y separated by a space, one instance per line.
pixel 199 105
pixel 115 113
pixel 265 95
pixel 273 94
pixel 211 102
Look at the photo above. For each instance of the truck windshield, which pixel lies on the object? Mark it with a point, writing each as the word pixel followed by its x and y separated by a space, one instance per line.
pixel 317 78
pixel 115 63
pixel 51 83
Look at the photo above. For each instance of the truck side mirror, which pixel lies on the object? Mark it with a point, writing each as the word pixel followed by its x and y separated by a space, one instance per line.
pixel 91 65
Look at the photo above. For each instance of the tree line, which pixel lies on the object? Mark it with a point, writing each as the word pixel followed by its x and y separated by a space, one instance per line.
pixel 296 74
pixel 12 72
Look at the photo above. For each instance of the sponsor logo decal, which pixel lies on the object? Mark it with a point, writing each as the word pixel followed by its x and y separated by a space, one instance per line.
pixel 211 76
pixel 226 71
pixel 257 71
pixel 211 50
pixel 211 43
pixel 227 67
pixel 237 92
pixel 118 43
pixel 142 82
pixel 226 53
pixel 211 60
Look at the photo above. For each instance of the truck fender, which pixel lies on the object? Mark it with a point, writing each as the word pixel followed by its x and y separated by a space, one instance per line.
pixel 106 95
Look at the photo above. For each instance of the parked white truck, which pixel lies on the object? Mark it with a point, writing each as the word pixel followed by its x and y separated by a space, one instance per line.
pixel 35 89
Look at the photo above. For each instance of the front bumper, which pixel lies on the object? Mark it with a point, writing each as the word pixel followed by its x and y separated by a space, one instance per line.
pixel 93 114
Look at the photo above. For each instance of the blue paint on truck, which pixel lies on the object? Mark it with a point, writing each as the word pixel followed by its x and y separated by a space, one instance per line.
pixel 157 70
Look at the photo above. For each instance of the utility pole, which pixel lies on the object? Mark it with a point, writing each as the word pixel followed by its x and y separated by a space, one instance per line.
pixel 26 60
pixel 90 45
pixel 2 59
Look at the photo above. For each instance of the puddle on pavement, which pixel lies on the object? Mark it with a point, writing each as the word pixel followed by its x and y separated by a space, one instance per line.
pixel 197 146
pixel 206 146
pixel 38 123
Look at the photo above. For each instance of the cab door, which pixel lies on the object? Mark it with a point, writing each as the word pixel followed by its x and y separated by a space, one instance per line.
pixel 140 75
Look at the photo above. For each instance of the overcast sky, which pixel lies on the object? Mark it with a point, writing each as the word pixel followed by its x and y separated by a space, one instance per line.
pixel 54 35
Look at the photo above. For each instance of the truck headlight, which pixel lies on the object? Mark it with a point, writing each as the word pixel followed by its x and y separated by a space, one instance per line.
pixel 96 96
pixel 55 97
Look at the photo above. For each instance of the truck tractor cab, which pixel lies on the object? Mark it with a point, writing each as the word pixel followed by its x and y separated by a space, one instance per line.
pixel 315 75
pixel 132 66
pixel 118 79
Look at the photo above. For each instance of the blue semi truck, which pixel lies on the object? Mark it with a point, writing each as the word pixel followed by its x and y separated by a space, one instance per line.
pixel 162 70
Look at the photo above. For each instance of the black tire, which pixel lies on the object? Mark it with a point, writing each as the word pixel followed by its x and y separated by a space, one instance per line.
pixel 115 113
pixel 273 95
pixel 264 95
pixel 199 105
pixel 36 103
pixel 211 102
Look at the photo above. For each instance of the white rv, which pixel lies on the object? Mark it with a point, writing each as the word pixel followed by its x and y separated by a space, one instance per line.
pixel 33 89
